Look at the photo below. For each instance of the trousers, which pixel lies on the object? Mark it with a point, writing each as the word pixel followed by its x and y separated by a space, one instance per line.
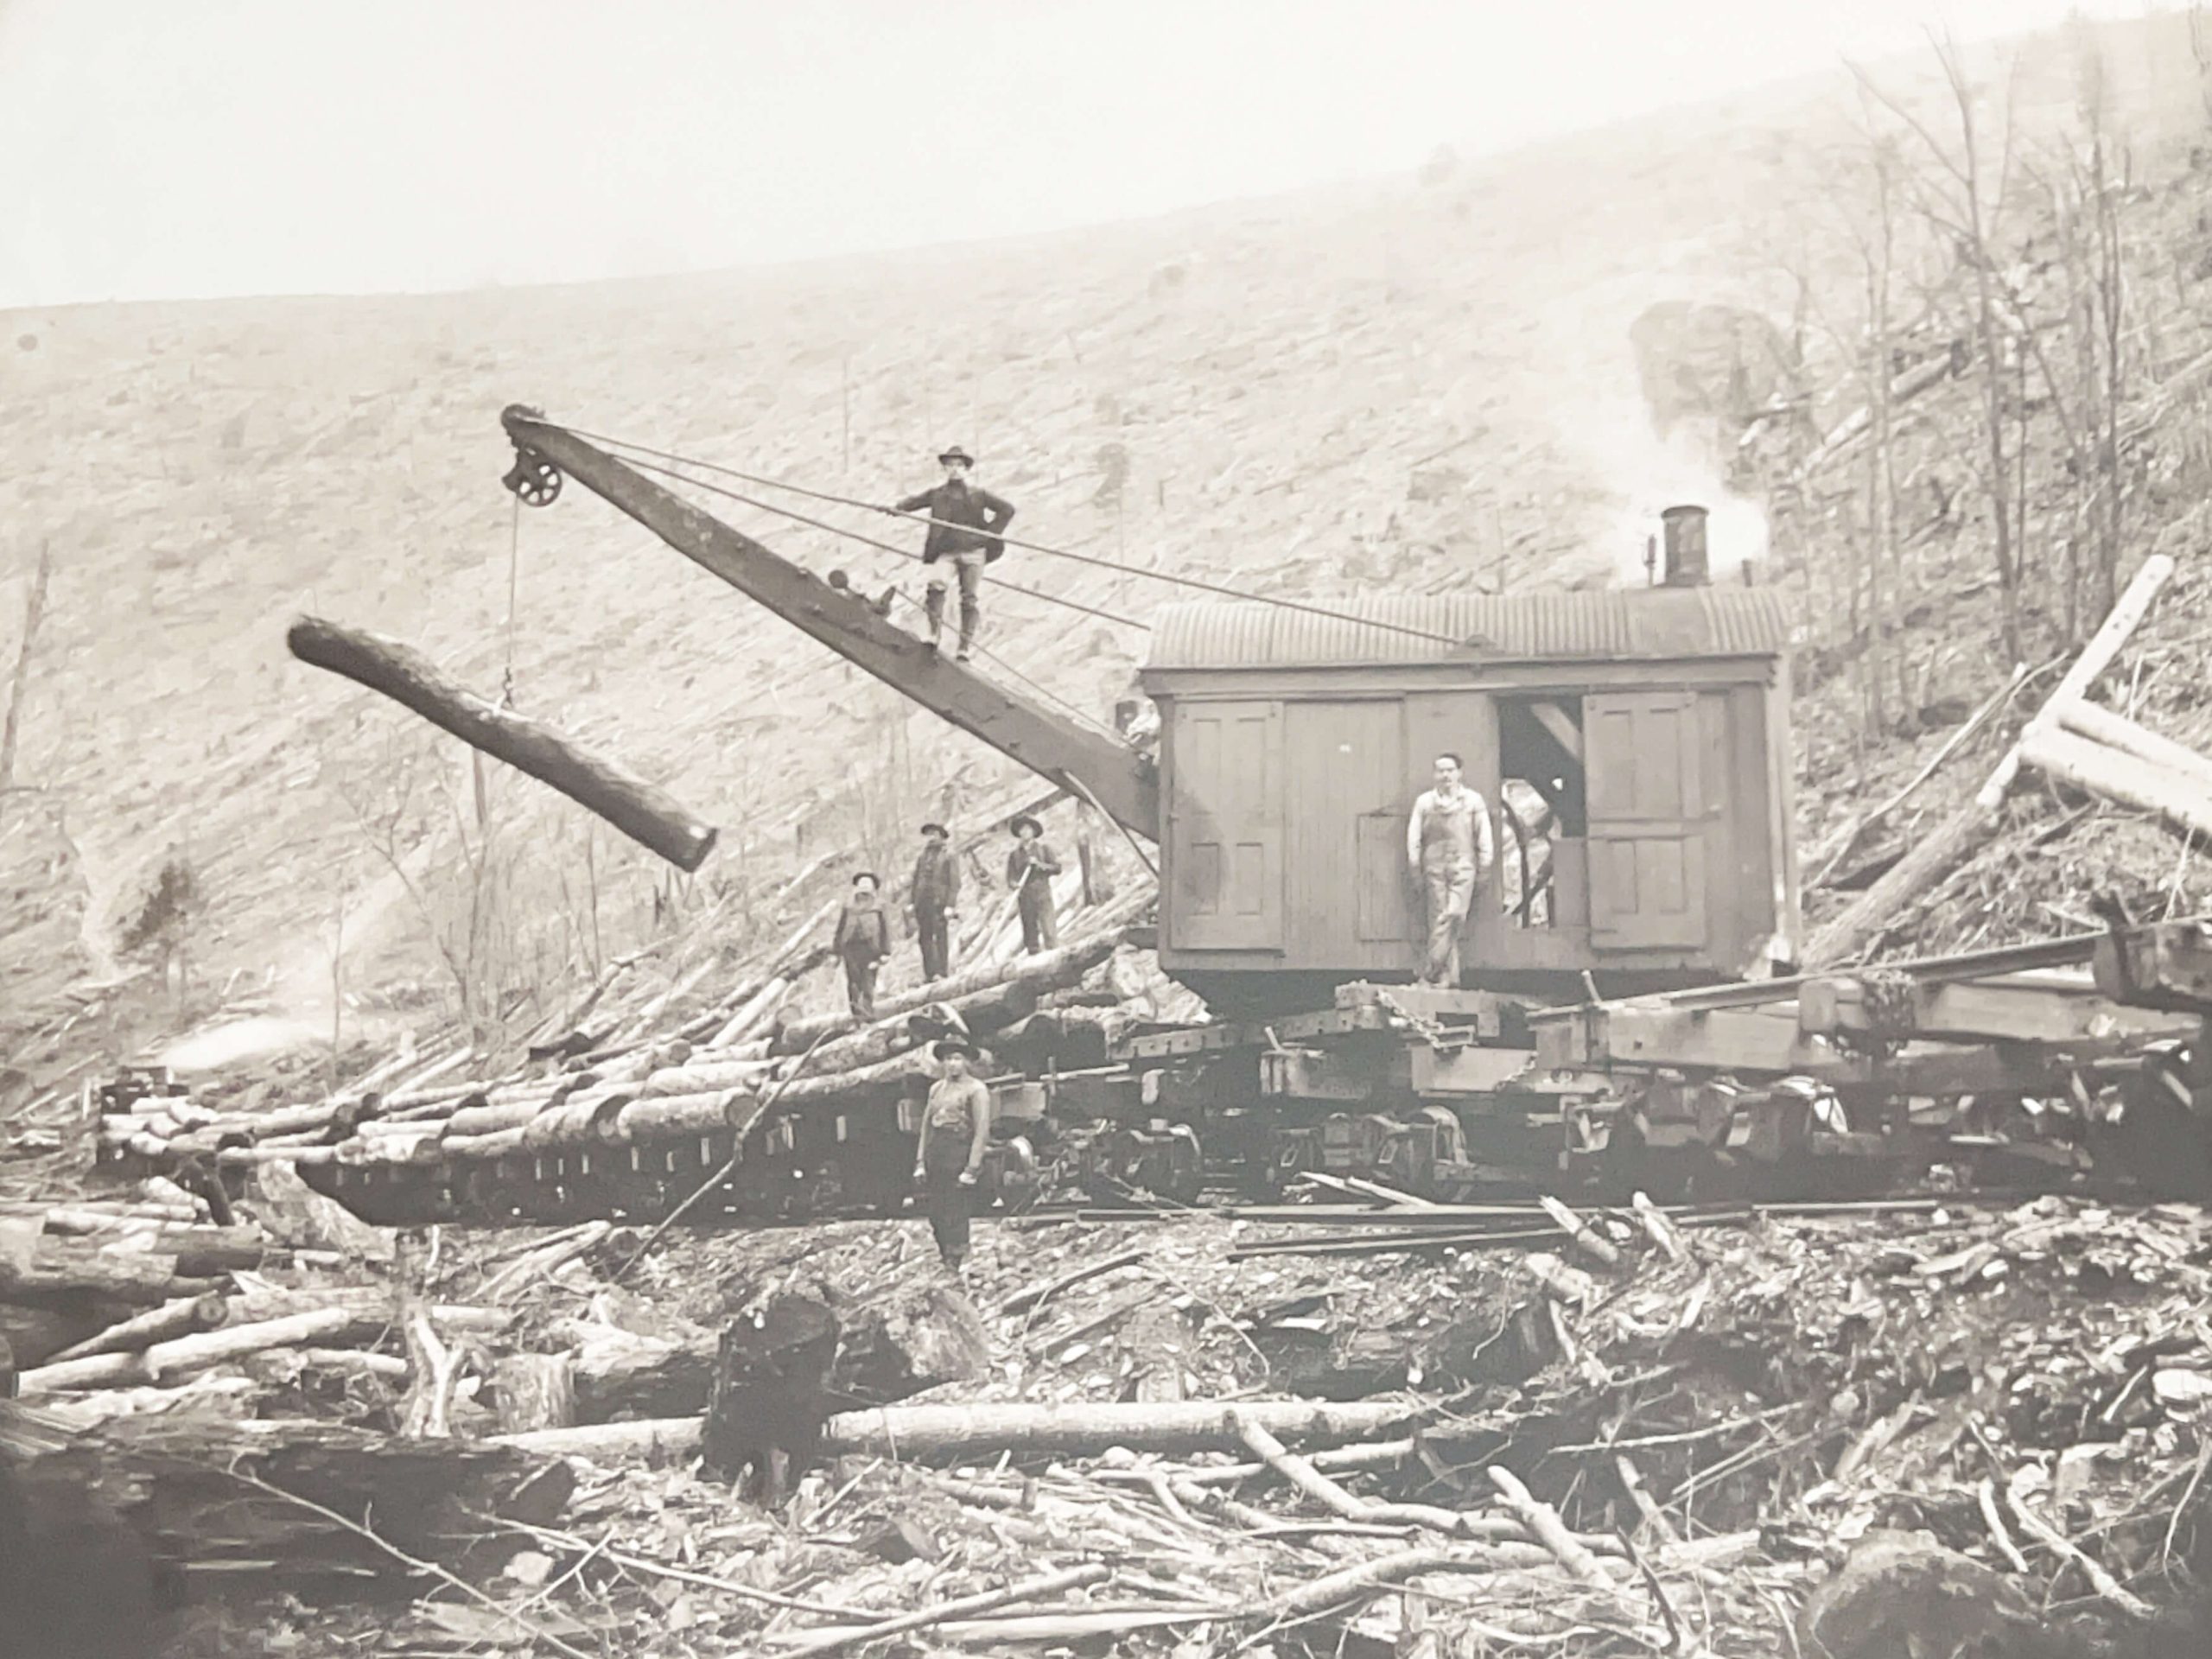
pixel 935 936
pixel 968 569
pixel 947 1201
pixel 859 985
pixel 1449 889
pixel 1040 927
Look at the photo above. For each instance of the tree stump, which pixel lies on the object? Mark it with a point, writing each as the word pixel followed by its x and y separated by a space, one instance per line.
pixel 771 1397
pixel 534 1391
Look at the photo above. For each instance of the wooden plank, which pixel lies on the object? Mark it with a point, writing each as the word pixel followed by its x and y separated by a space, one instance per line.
pixel 1564 731
pixel 1970 1012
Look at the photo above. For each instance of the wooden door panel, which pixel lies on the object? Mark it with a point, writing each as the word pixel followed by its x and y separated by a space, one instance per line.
pixel 1649 832
pixel 1226 826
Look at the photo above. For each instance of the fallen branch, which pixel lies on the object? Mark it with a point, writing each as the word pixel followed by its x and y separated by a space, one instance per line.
pixel 922 1618
pixel 1544 1525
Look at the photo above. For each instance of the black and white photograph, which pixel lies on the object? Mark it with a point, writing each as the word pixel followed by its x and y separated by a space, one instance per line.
pixel 1105 829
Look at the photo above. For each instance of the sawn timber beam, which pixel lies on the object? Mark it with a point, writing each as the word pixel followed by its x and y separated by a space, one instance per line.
pixel 1971 1012
pixel 1055 749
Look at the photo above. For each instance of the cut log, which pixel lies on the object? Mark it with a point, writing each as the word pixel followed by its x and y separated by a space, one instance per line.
pixel 2095 658
pixel 619 1374
pixel 1053 968
pixel 534 1392
pixel 771 1395
pixel 644 811
pixel 182 1481
pixel 134 1335
pixel 2177 760
pixel 61 1271
pixel 952 1431
pixel 2098 769
pixel 1934 856
pixel 284 1204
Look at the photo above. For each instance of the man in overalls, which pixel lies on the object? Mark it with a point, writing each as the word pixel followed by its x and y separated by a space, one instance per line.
pixel 862 941
pixel 956 1129
pixel 1449 847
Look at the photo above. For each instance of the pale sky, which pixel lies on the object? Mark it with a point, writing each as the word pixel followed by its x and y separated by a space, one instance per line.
pixel 184 148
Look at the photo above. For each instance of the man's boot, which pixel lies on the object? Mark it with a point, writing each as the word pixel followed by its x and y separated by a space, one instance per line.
pixel 969 617
pixel 933 607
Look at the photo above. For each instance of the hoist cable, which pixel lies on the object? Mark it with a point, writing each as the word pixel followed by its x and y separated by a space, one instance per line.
pixel 1103 563
pixel 886 547
pixel 514 587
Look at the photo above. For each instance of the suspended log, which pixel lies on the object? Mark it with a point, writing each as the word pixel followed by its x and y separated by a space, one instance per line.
pixel 1187 1426
pixel 644 811
pixel 1047 972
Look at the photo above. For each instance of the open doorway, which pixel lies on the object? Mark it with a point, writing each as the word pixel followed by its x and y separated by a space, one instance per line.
pixel 1541 804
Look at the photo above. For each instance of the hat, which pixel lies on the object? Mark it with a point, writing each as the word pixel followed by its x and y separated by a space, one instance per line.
pixel 1021 818
pixel 956 454
pixel 936 830
pixel 950 1046
pixel 859 876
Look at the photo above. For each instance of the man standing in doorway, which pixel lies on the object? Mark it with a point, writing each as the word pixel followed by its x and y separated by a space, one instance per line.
pixel 956 1127
pixel 1030 868
pixel 966 524
pixel 1449 847
pixel 935 893
pixel 862 941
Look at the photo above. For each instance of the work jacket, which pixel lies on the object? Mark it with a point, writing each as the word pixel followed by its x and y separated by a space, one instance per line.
pixel 1030 861
pixel 984 516
pixel 937 878
pixel 863 931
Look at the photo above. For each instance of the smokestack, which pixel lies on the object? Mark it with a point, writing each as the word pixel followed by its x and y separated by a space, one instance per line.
pixel 1685 534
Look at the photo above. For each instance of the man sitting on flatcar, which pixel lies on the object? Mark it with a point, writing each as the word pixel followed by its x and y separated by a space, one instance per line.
pixel 1450 850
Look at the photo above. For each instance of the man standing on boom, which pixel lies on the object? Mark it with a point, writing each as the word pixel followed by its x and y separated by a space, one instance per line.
pixel 1449 847
pixel 965 526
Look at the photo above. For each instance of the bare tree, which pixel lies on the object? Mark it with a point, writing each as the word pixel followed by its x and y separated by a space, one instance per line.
pixel 1962 199
pixel 33 614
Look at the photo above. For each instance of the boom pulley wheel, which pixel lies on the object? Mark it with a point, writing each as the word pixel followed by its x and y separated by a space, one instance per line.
pixel 533 480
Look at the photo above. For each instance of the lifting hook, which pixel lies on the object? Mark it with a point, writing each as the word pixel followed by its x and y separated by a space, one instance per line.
pixel 534 480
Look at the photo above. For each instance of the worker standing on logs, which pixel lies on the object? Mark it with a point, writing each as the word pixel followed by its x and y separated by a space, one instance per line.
pixel 1030 868
pixel 935 894
pixel 956 1127
pixel 966 524
pixel 1449 847
pixel 862 941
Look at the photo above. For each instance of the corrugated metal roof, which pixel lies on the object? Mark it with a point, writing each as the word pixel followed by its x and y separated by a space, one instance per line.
pixel 1649 623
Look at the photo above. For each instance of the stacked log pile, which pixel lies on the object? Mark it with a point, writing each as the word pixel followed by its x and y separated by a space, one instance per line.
pixel 721 1072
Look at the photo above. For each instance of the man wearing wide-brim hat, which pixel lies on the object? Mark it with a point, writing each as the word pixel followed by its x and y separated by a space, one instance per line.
pixel 862 941
pixel 966 525
pixel 1030 868
pixel 956 1127
pixel 935 894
